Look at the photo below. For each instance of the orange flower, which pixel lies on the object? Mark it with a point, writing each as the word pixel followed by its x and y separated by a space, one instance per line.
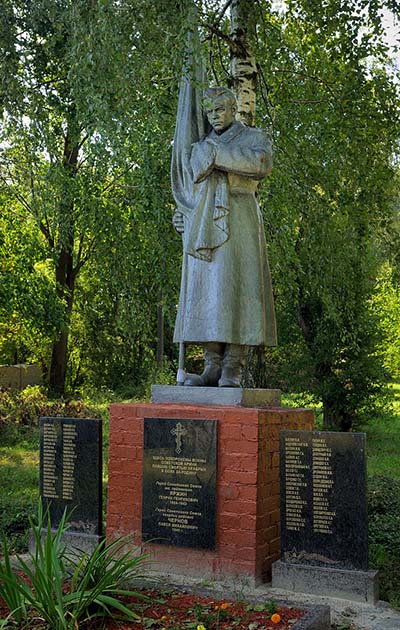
pixel 275 618
pixel 224 605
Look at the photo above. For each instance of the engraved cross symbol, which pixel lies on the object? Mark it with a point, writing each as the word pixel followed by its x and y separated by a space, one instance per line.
pixel 179 432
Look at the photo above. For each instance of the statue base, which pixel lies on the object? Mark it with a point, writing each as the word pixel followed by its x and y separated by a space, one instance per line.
pixel 247 519
pixel 229 396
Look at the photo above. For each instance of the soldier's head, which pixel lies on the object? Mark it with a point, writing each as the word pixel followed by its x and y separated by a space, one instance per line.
pixel 220 107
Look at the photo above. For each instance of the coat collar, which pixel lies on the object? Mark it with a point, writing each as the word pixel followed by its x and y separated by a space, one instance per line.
pixel 234 130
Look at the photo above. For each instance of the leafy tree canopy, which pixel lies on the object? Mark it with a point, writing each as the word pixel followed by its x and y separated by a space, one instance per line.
pixel 89 98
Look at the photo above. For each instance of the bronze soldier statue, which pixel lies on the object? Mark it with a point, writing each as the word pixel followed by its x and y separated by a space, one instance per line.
pixel 226 302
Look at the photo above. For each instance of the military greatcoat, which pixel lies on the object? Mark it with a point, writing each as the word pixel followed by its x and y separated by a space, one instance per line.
pixel 226 293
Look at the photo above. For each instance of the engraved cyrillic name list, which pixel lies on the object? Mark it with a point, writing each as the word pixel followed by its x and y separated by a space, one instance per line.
pixel 296 472
pixel 179 502
pixel 68 458
pixel 323 481
pixel 49 462
pixel 323 498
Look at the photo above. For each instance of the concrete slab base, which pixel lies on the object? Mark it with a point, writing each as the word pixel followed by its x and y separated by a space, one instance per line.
pixel 72 540
pixel 357 586
pixel 230 396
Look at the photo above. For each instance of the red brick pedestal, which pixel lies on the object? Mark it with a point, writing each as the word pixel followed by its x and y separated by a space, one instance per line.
pixel 248 516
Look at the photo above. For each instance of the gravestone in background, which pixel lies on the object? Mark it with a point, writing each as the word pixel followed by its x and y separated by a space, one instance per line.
pixel 179 482
pixel 71 472
pixel 324 528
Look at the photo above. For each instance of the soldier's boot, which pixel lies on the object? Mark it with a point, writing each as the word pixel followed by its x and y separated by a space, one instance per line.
pixel 232 364
pixel 213 353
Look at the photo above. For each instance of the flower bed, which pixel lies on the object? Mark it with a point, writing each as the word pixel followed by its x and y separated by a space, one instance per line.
pixel 177 610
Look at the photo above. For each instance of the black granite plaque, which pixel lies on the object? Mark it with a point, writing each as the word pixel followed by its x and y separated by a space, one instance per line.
pixel 71 471
pixel 179 482
pixel 323 499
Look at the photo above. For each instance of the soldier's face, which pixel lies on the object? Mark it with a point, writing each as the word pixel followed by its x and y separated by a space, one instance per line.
pixel 221 114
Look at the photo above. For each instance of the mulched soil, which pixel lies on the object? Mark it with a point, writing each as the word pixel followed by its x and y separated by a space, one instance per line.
pixel 178 610
pixel 187 611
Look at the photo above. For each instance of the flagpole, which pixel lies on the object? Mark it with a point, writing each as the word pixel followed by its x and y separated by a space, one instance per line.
pixel 190 127
pixel 181 374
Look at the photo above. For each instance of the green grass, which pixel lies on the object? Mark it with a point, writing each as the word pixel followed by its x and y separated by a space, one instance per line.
pixel 383 439
pixel 19 481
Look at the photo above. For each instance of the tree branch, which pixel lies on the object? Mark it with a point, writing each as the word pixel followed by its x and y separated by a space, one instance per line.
pixel 310 77
pixel 44 228
pixel 116 179
pixel 265 89
pixel 82 142
pixel 233 45
pixel 221 58
pixel 223 11
pixel 15 194
pixel 83 260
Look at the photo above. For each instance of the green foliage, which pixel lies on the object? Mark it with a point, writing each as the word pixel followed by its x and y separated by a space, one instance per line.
pixel 383 433
pixel 16 511
pixel 386 306
pixel 25 407
pixel 30 312
pixel 327 91
pixel 94 581
pixel 114 327
pixel 334 111
pixel 88 103
pixel 384 534
pixel 383 496
pixel 19 483
pixel 84 98
pixel 270 606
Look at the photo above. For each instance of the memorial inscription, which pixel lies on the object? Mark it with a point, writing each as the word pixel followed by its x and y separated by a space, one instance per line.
pixel 323 499
pixel 179 482
pixel 71 471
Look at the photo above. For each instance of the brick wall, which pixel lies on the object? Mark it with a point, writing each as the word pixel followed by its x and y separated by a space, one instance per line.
pixel 248 517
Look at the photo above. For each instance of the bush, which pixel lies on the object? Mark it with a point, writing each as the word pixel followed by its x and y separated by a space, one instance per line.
pixel 383 496
pixel 384 534
pixel 27 406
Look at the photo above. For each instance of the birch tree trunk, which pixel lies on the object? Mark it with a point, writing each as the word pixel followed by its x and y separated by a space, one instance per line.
pixel 243 65
pixel 244 84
